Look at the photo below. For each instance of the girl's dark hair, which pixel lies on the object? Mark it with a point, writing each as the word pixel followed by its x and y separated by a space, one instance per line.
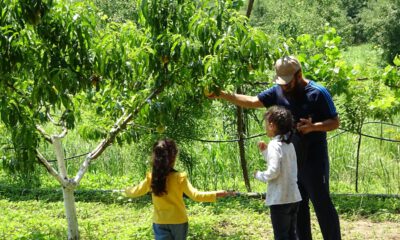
pixel 164 155
pixel 283 120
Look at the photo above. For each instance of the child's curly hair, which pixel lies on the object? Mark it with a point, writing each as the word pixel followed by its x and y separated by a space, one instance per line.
pixel 164 155
pixel 282 118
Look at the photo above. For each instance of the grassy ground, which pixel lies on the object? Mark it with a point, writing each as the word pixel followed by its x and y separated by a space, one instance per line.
pixel 39 215
pixel 366 55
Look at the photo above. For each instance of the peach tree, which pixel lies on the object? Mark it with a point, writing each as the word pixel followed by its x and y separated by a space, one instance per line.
pixel 59 59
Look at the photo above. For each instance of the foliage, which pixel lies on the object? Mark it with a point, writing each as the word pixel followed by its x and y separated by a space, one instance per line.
pixel 380 23
pixel 74 60
pixel 353 9
pixel 293 18
pixel 356 100
pixel 117 10
pixel 43 53
pixel 357 21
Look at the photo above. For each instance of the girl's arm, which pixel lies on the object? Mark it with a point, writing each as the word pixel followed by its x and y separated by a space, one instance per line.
pixel 141 189
pixel 273 156
pixel 223 193
pixel 199 196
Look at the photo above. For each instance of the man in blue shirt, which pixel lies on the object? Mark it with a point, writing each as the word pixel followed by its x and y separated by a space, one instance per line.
pixel 315 114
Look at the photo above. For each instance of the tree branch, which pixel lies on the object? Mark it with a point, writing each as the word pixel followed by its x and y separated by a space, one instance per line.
pixel 52 120
pixel 118 127
pixel 44 134
pixel 63 133
pixel 50 169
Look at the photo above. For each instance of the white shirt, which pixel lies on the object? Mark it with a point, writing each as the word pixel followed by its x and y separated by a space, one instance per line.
pixel 281 174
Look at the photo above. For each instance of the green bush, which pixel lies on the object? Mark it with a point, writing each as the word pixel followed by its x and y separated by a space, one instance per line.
pixel 292 18
pixel 380 21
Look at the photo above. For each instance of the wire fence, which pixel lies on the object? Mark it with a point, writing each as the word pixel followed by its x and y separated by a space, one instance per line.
pixel 263 134
pixel 342 131
pixel 4 189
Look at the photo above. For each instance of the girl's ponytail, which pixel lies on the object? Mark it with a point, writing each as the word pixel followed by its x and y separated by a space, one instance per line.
pixel 164 155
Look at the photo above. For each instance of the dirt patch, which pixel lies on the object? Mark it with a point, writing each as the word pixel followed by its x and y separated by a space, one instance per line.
pixel 366 229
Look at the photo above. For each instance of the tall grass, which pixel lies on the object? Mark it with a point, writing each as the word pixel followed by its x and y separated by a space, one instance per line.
pixel 366 55
pixel 217 165
pixel 379 163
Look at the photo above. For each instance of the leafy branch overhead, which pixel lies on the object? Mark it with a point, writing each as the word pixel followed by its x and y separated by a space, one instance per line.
pixel 59 59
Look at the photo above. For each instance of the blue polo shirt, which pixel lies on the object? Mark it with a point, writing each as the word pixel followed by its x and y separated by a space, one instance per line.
pixel 317 103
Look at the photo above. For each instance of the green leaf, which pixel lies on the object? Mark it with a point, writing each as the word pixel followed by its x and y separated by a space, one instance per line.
pixel 396 60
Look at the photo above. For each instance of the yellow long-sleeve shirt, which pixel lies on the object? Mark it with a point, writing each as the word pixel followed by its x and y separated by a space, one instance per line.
pixel 170 208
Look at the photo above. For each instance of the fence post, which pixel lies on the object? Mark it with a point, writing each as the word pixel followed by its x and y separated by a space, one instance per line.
pixel 358 158
pixel 242 151
pixel 381 133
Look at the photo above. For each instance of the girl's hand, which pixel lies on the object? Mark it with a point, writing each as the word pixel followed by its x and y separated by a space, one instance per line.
pixel 262 145
pixel 226 193
pixel 222 194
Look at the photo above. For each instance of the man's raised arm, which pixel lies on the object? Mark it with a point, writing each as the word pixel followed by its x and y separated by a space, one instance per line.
pixel 241 100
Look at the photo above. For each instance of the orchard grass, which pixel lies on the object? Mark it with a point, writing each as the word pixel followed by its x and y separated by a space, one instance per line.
pixel 39 214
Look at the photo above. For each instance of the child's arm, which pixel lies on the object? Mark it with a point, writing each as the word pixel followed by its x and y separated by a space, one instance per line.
pixel 141 189
pixel 223 193
pixel 200 196
pixel 273 156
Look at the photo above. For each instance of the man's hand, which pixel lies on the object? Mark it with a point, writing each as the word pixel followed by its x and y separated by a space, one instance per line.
pixel 213 95
pixel 305 125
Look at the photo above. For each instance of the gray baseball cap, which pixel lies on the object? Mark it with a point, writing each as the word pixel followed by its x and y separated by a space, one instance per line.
pixel 285 69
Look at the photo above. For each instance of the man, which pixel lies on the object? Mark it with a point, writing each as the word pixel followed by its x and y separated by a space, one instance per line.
pixel 314 114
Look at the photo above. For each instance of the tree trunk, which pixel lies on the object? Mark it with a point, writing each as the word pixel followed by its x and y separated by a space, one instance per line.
pixel 241 128
pixel 68 191
pixel 70 212
pixel 249 8
pixel 242 151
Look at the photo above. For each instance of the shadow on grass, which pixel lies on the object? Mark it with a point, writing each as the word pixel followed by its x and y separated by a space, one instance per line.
pixel 13 192
pixel 365 206
pixel 37 235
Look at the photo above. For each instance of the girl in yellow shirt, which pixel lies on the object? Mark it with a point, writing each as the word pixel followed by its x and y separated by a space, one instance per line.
pixel 167 187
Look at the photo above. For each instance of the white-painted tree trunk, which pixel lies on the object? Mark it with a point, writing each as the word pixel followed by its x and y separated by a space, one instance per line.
pixel 70 211
pixel 68 188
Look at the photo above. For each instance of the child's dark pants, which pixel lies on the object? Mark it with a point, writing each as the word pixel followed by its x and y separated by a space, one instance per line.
pixel 283 218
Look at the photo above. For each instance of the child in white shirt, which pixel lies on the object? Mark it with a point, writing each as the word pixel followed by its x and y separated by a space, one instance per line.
pixel 283 195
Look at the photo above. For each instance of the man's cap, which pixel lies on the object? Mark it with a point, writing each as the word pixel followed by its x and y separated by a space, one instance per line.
pixel 285 69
